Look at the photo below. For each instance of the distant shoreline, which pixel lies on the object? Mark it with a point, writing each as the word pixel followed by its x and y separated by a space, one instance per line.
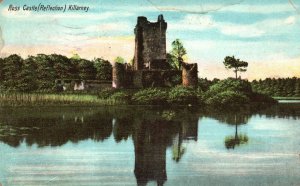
pixel 287 98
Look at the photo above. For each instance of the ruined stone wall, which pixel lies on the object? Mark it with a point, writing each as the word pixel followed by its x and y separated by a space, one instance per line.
pixel 121 76
pixel 118 75
pixel 156 78
pixel 150 43
pixel 189 74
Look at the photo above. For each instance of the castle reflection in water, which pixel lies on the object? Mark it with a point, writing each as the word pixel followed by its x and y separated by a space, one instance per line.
pixel 152 133
pixel 152 130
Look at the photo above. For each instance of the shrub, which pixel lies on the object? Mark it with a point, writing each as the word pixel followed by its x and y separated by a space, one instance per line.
pixel 227 98
pixel 182 95
pixel 106 93
pixel 151 96
pixel 200 96
pixel 121 96
pixel 261 98
pixel 175 79
pixel 230 84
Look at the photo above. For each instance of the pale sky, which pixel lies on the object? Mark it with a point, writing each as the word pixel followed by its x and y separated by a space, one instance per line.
pixel 265 33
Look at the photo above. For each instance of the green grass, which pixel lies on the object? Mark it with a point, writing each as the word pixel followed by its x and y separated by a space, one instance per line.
pixel 287 98
pixel 27 99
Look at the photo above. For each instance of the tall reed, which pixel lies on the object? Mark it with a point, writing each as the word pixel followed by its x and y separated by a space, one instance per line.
pixel 28 99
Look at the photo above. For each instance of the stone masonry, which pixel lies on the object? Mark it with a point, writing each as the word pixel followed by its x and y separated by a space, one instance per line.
pixel 150 43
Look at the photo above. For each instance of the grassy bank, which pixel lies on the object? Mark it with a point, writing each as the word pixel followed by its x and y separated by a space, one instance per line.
pixel 28 99
pixel 226 93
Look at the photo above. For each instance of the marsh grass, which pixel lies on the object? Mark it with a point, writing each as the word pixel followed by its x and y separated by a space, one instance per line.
pixel 27 99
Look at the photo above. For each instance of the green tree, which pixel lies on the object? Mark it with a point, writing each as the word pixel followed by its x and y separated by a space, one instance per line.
pixel 62 66
pixel 12 69
pixel 119 59
pixel 172 61
pixel 87 71
pixel 28 76
pixel 176 55
pixel 46 74
pixel 75 56
pixel 236 64
pixel 297 88
pixel 103 68
pixel 205 84
pixel 74 68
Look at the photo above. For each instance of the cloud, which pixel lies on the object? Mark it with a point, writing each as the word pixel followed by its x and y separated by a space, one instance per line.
pixel 246 31
pixel 109 27
pixel 290 20
pixel 260 9
pixel 194 22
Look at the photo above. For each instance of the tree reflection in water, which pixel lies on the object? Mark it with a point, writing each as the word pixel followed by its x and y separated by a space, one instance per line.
pixel 152 130
pixel 238 139
pixel 233 117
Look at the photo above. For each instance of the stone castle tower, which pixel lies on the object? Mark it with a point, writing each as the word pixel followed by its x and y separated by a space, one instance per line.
pixel 150 67
pixel 150 43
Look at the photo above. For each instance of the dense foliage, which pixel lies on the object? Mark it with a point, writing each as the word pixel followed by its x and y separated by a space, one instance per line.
pixel 228 92
pixel 228 97
pixel 40 72
pixel 230 84
pixel 204 83
pixel 152 96
pixel 234 92
pixel 282 87
pixel 182 95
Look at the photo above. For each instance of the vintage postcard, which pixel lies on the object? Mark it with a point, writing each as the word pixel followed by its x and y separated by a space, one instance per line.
pixel 150 92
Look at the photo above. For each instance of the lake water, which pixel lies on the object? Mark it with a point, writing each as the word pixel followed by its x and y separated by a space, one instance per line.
pixel 150 146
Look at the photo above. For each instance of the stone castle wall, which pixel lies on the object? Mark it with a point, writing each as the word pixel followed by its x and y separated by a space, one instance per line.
pixel 150 43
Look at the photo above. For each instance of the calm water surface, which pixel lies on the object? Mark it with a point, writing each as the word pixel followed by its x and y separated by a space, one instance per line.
pixel 150 146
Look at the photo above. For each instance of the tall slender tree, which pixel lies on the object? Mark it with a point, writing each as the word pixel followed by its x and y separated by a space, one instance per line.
pixel 237 65
pixel 176 55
